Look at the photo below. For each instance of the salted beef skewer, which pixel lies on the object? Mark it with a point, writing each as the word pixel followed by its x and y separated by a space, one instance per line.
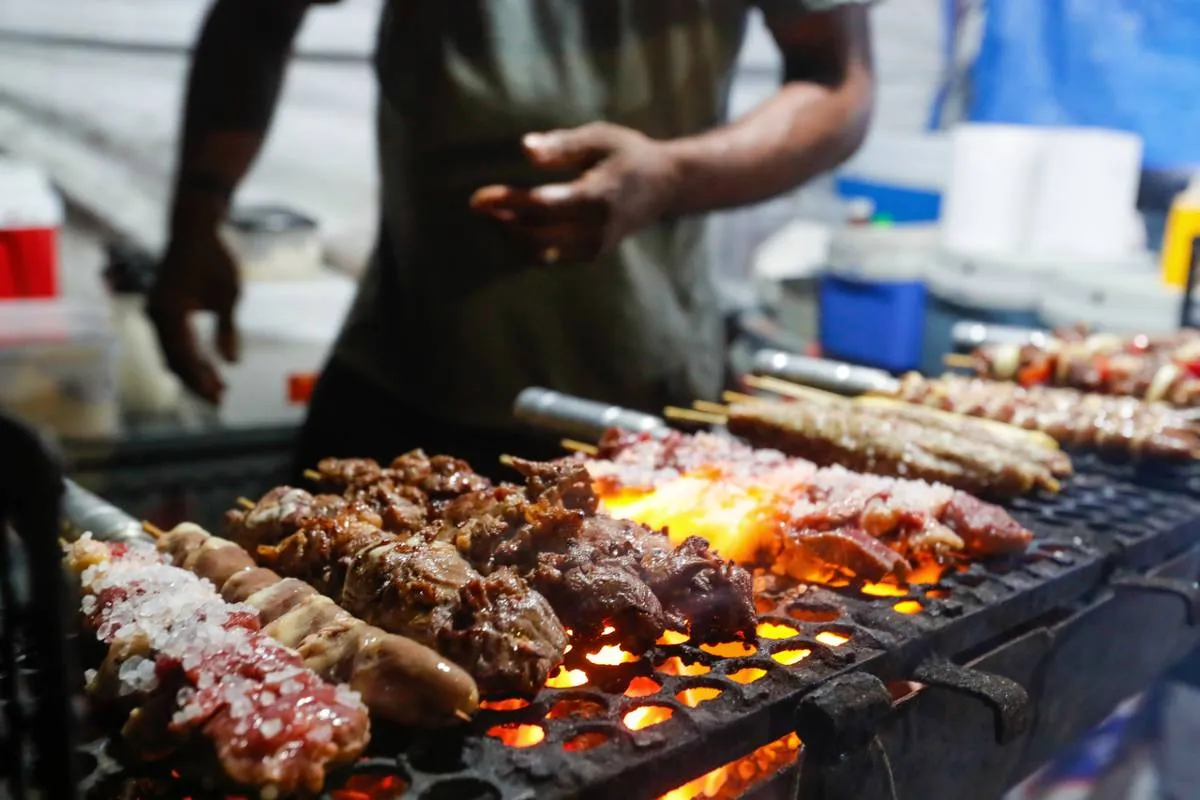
pixel 821 518
pixel 865 440
pixel 505 635
pixel 1122 426
pixel 200 680
pixel 399 679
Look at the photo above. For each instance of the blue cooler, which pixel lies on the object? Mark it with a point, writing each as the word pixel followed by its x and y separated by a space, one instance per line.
pixel 872 298
pixel 995 290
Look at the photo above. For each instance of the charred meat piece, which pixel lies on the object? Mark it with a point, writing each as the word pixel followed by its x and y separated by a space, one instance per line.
pixel 439 478
pixel 504 634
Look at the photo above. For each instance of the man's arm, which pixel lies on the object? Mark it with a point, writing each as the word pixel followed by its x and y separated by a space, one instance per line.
pixel 233 89
pixel 818 119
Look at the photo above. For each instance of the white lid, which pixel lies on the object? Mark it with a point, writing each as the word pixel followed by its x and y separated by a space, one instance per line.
pixel 1120 301
pixel 27 199
pixel 796 251
pixel 26 322
pixel 1011 282
pixel 900 253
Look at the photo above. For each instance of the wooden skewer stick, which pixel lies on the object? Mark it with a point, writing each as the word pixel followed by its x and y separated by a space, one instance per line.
pixel 738 397
pixel 464 716
pixel 508 460
pixel 710 408
pixel 794 390
pixel 573 446
pixel 312 475
pixel 691 415
pixel 152 529
pixel 958 361
pixel 246 503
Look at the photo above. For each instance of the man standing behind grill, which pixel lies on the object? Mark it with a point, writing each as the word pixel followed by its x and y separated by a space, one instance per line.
pixel 545 168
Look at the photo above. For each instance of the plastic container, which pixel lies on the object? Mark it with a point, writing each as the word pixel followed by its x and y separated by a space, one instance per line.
pixel 872 299
pixel 273 243
pixel 1128 299
pixel 993 289
pixel 1183 227
pixel 31 216
pixel 903 176
pixel 287 330
pixel 57 367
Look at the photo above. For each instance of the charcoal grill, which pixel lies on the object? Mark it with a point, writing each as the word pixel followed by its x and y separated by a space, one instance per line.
pixel 998 648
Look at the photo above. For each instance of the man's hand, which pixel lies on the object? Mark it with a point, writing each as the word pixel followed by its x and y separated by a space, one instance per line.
pixel 197 274
pixel 629 181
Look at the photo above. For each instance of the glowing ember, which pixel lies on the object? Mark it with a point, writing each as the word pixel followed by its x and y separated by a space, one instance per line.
pixel 701 694
pixel 676 666
pixel 518 735
pixel 769 630
pixel 371 787
pixel 747 676
pixel 831 639
pixel 884 590
pixel 673 637
pixel 608 629
pixel 647 717
pixel 736 779
pixel 585 741
pixel 567 679
pixel 642 687
pixel 610 656
pixel 576 708
pixel 789 657
pixel 513 704
pixel 730 649
pixel 908 607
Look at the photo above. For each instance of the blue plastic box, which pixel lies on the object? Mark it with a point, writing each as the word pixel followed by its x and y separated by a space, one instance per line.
pixel 873 322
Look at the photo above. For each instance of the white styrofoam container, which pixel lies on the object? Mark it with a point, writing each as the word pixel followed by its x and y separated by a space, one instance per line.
pixel 58 365
pixel 287 329
pixel 1126 300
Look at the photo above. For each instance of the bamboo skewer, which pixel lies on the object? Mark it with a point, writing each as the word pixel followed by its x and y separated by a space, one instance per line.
pixel 959 361
pixel 692 415
pixel 245 503
pixel 312 475
pixel 738 397
pixel 795 391
pixel 152 529
pixel 710 408
pixel 573 446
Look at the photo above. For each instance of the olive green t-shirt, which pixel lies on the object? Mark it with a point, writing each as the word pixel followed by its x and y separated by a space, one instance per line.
pixel 447 320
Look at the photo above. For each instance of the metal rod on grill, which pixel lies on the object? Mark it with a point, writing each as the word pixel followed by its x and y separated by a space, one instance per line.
pixel 575 417
pixel 970 335
pixel 833 376
pixel 83 511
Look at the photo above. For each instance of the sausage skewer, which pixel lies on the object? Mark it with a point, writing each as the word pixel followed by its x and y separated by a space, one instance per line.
pixel 399 679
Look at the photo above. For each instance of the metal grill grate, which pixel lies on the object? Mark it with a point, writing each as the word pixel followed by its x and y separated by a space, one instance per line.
pixel 724 702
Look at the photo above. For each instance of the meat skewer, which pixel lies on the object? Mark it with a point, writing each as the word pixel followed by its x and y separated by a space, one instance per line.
pixel 1122 426
pixel 814 522
pixel 596 571
pixel 398 679
pixel 902 442
pixel 198 677
pixel 1164 368
pixel 504 634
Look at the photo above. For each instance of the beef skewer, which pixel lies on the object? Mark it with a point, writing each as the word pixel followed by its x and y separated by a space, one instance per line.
pixel 597 572
pixel 900 442
pixel 815 522
pixel 198 678
pixel 504 634
pixel 398 679
pixel 1122 426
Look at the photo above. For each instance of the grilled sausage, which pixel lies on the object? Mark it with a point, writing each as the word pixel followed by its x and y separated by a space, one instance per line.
pixel 398 678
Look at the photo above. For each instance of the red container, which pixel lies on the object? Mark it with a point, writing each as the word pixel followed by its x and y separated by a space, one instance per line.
pixel 29 262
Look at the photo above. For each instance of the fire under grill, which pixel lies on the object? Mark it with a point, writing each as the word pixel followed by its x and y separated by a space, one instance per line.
pixel 834 668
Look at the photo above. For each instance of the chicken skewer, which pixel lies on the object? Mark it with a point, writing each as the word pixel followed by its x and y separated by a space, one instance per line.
pixel 504 634
pixel 400 680
pixel 198 678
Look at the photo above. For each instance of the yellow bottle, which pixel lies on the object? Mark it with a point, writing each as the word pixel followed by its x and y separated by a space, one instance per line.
pixel 1183 226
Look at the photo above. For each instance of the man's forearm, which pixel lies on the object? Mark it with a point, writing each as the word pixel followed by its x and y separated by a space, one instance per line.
pixel 817 119
pixel 233 88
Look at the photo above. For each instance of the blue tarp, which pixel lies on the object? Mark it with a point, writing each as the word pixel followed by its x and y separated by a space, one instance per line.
pixel 1127 64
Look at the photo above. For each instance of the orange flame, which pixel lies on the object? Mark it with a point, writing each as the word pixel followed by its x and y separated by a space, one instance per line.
pixel 611 655
pixel 567 679
pixel 832 639
pixel 734 780
pixel 647 717
pixel 515 735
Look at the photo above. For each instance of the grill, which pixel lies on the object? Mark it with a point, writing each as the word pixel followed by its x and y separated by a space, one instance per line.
pixel 999 650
